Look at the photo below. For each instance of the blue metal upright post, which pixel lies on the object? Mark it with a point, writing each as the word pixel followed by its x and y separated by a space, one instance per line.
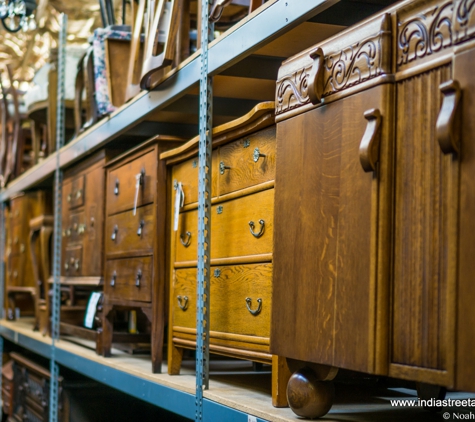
pixel 54 369
pixel 204 216
pixel 2 277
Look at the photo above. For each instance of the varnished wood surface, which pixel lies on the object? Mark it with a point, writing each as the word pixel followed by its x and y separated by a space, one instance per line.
pixel 327 267
pixel 127 238
pixel 424 189
pixel 230 230
pixel 228 313
pixel 126 271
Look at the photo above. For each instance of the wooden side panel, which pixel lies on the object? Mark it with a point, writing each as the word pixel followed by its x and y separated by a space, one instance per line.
pixel 465 371
pixel 422 225
pixel 326 223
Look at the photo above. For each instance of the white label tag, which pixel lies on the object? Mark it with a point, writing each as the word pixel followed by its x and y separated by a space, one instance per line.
pixel 251 418
pixel 91 309
pixel 179 200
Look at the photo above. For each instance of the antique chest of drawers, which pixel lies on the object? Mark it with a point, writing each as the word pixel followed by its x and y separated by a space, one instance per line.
pixel 21 285
pixel 135 241
pixel 242 213
pixel 374 198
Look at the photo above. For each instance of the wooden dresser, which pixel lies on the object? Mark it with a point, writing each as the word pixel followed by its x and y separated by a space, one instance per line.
pixel 135 242
pixel 243 169
pixel 20 283
pixel 374 200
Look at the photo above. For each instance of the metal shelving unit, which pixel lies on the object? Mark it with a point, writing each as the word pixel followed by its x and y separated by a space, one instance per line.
pixel 276 18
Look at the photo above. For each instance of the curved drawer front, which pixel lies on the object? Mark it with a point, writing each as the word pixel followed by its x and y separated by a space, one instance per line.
pixel 231 228
pixel 74 230
pixel 241 299
pixel 74 192
pixel 129 279
pixel 247 162
pixel 121 183
pixel 187 174
pixel 126 232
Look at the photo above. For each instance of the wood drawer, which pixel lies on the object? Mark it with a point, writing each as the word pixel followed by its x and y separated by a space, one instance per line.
pixel 187 174
pixel 121 183
pixel 230 228
pixel 126 232
pixel 75 229
pixel 73 261
pixel 18 239
pixel 230 287
pixel 74 192
pixel 17 210
pixel 246 166
pixel 15 270
pixel 129 279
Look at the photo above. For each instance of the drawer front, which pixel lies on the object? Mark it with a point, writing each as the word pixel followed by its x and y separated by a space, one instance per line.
pixel 231 228
pixel 75 229
pixel 17 210
pixel 187 174
pixel 251 161
pixel 74 192
pixel 241 299
pixel 73 261
pixel 128 232
pixel 15 270
pixel 129 279
pixel 122 181
pixel 18 239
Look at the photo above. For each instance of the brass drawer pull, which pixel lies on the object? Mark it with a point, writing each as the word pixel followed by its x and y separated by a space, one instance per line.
pixel 22 247
pixel 259 306
pixel 185 241
pixel 138 278
pixel 69 197
pixel 140 229
pixel 116 188
pixel 81 228
pixel 261 231
pixel 448 121
pixel 113 279
pixel 183 306
pixel 76 264
pixel 257 154
pixel 66 266
pixel 78 194
pixel 114 233
pixel 223 167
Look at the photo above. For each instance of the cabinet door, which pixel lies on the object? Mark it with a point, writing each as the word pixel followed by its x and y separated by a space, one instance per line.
pixel 425 224
pixel 331 243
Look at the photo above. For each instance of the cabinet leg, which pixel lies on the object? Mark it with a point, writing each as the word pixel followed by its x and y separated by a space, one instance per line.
pixel 308 396
pixel 158 323
pixel 175 356
pixel 107 331
pixel 430 391
pixel 11 307
pixel 280 377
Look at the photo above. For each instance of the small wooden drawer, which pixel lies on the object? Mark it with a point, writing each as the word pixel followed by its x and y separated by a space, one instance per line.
pixel 15 269
pixel 121 183
pixel 241 299
pixel 36 389
pixel 129 279
pixel 126 232
pixel 247 162
pixel 18 239
pixel 187 174
pixel 74 192
pixel 232 233
pixel 76 229
pixel 73 261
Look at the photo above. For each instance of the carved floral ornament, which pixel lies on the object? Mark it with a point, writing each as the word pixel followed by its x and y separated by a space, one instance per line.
pixel 350 66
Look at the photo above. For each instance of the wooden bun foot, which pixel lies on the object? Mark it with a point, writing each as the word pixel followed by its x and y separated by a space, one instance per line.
pixel 307 396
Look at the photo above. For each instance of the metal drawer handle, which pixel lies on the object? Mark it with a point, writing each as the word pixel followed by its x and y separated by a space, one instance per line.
pixel 66 266
pixel 81 228
pixel 223 167
pixel 257 154
pixel 261 231
pixel 185 241
pixel 448 121
pixel 138 278
pixel 114 277
pixel 139 231
pixel 76 264
pixel 22 247
pixel 183 306
pixel 369 145
pixel 259 306
pixel 116 188
pixel 69 197
pixel 78 194
pixel 114 233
